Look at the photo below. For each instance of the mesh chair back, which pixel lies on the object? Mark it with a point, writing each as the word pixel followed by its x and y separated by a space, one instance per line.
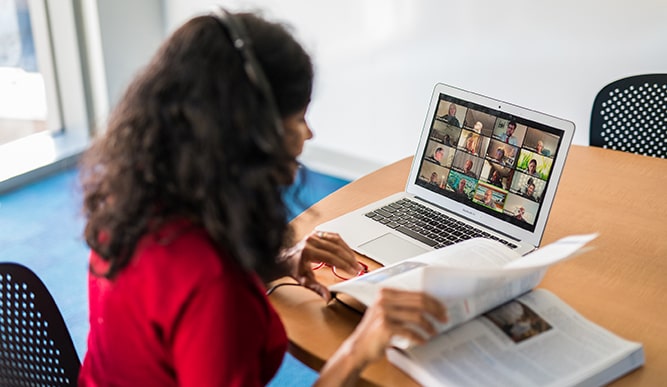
pixel 35 346
pixel 631 115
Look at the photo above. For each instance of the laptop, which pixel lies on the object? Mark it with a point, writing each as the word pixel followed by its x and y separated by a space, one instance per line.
pixel 483 168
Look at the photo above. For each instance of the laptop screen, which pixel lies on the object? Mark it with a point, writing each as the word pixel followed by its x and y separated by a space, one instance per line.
pixel 490 160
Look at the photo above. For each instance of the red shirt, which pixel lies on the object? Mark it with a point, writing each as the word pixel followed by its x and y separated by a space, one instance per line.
pixel 180 314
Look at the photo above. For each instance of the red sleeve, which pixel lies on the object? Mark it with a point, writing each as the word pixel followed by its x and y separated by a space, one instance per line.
pixel 220 336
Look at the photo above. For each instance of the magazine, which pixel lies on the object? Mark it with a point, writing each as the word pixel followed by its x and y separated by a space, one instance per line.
pixel 500 330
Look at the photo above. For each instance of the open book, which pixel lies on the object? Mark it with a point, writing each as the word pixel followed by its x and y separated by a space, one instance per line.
pixel 500 331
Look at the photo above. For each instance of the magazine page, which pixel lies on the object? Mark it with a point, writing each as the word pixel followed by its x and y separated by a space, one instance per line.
pixel 535 339
pixel 558 251
pixel 468 292
pixel 469 277
pixel 474 254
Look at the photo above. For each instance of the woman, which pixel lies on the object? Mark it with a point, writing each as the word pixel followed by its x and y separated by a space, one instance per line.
pixel 185 220
pixel 471 144
pixel 450 117
pixel 532 168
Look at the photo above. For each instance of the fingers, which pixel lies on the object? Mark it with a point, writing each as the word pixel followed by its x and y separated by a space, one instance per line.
pixel 330 248
pixel 319 289
pixel 304 275
pixel 396 313
pixel 405 313
pixel 400 302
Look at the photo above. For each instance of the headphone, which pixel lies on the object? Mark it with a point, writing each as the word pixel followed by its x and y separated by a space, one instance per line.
pixel 243 45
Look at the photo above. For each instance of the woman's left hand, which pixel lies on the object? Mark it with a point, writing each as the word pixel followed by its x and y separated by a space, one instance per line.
pixel 319 246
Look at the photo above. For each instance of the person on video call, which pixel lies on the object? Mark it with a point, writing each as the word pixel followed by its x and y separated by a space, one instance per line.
pixel 434 179
pixel 477 128
pixel 500 155
pixel 529 191
pixel 471 143
pixel 532 168
pixel 461 189
pixel 488 199
pixel 447 140
pixel 507 136
pixel 539 148
pixel 496 179
pixel 467 169
pixel 450 117
pixel 186 223
pixel 520 212
pixel 436 157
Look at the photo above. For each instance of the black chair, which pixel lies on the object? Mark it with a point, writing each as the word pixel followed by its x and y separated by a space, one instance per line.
pixel 36 348
pixel 631 115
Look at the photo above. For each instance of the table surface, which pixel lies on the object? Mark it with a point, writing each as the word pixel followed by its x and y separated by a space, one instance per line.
pixel 619 285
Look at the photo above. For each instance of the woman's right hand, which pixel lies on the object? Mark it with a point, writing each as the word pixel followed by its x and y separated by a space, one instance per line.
pixel 393 313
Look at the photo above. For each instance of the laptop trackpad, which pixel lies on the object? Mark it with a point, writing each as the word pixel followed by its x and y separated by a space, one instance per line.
pixel 389 249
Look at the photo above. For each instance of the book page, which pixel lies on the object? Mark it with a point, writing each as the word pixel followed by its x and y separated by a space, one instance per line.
pixel 469 278
pixel 558 251
pixel 464 270
pixel 475 253
pixel 467 297
pixel 536 339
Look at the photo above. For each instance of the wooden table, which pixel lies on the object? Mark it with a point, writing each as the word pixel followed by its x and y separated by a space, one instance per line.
pixel 620 285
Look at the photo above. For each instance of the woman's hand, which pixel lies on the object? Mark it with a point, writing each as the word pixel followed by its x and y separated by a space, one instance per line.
pixel 319 247
pixel 394 312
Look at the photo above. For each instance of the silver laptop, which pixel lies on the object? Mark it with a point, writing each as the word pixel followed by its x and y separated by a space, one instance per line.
pixel 483 167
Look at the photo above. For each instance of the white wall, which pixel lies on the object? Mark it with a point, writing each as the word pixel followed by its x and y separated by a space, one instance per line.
pixel 377 61
pixel 130 33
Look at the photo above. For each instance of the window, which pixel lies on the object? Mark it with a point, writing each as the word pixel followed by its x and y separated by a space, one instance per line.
pixel 42 125
pixel 23 99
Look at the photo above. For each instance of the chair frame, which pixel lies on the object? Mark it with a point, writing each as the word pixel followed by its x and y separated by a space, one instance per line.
pixel 597 120
pixel 35 345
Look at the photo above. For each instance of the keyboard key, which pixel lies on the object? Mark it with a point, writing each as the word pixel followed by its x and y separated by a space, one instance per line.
pixel 417 236
pixel 383 213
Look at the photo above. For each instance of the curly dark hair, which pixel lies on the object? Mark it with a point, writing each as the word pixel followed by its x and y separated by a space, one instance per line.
pixel 188 140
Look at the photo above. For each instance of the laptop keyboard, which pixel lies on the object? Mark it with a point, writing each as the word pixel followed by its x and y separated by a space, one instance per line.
pixel 427 225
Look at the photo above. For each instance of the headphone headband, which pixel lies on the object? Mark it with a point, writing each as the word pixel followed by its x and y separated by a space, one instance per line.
pixel 243 45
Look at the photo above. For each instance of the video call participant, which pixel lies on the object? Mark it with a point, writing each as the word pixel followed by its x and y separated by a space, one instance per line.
pixel 532 168
pixel 467 169
pixel 520 212
pixel 447 140
pixel 488 199
pixel 470 144
pixel 539 148
pixel 436 156
pixel 507 136
pixel 529 191
pixel 499 155
pixel 496 179
pixel 450 117
pixel 181 251
pixel 434 179
pixel 460 193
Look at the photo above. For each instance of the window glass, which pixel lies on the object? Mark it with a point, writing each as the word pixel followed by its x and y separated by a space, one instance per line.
pixel 23 105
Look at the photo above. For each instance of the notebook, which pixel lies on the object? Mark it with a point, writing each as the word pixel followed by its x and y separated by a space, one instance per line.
pixel 483 167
